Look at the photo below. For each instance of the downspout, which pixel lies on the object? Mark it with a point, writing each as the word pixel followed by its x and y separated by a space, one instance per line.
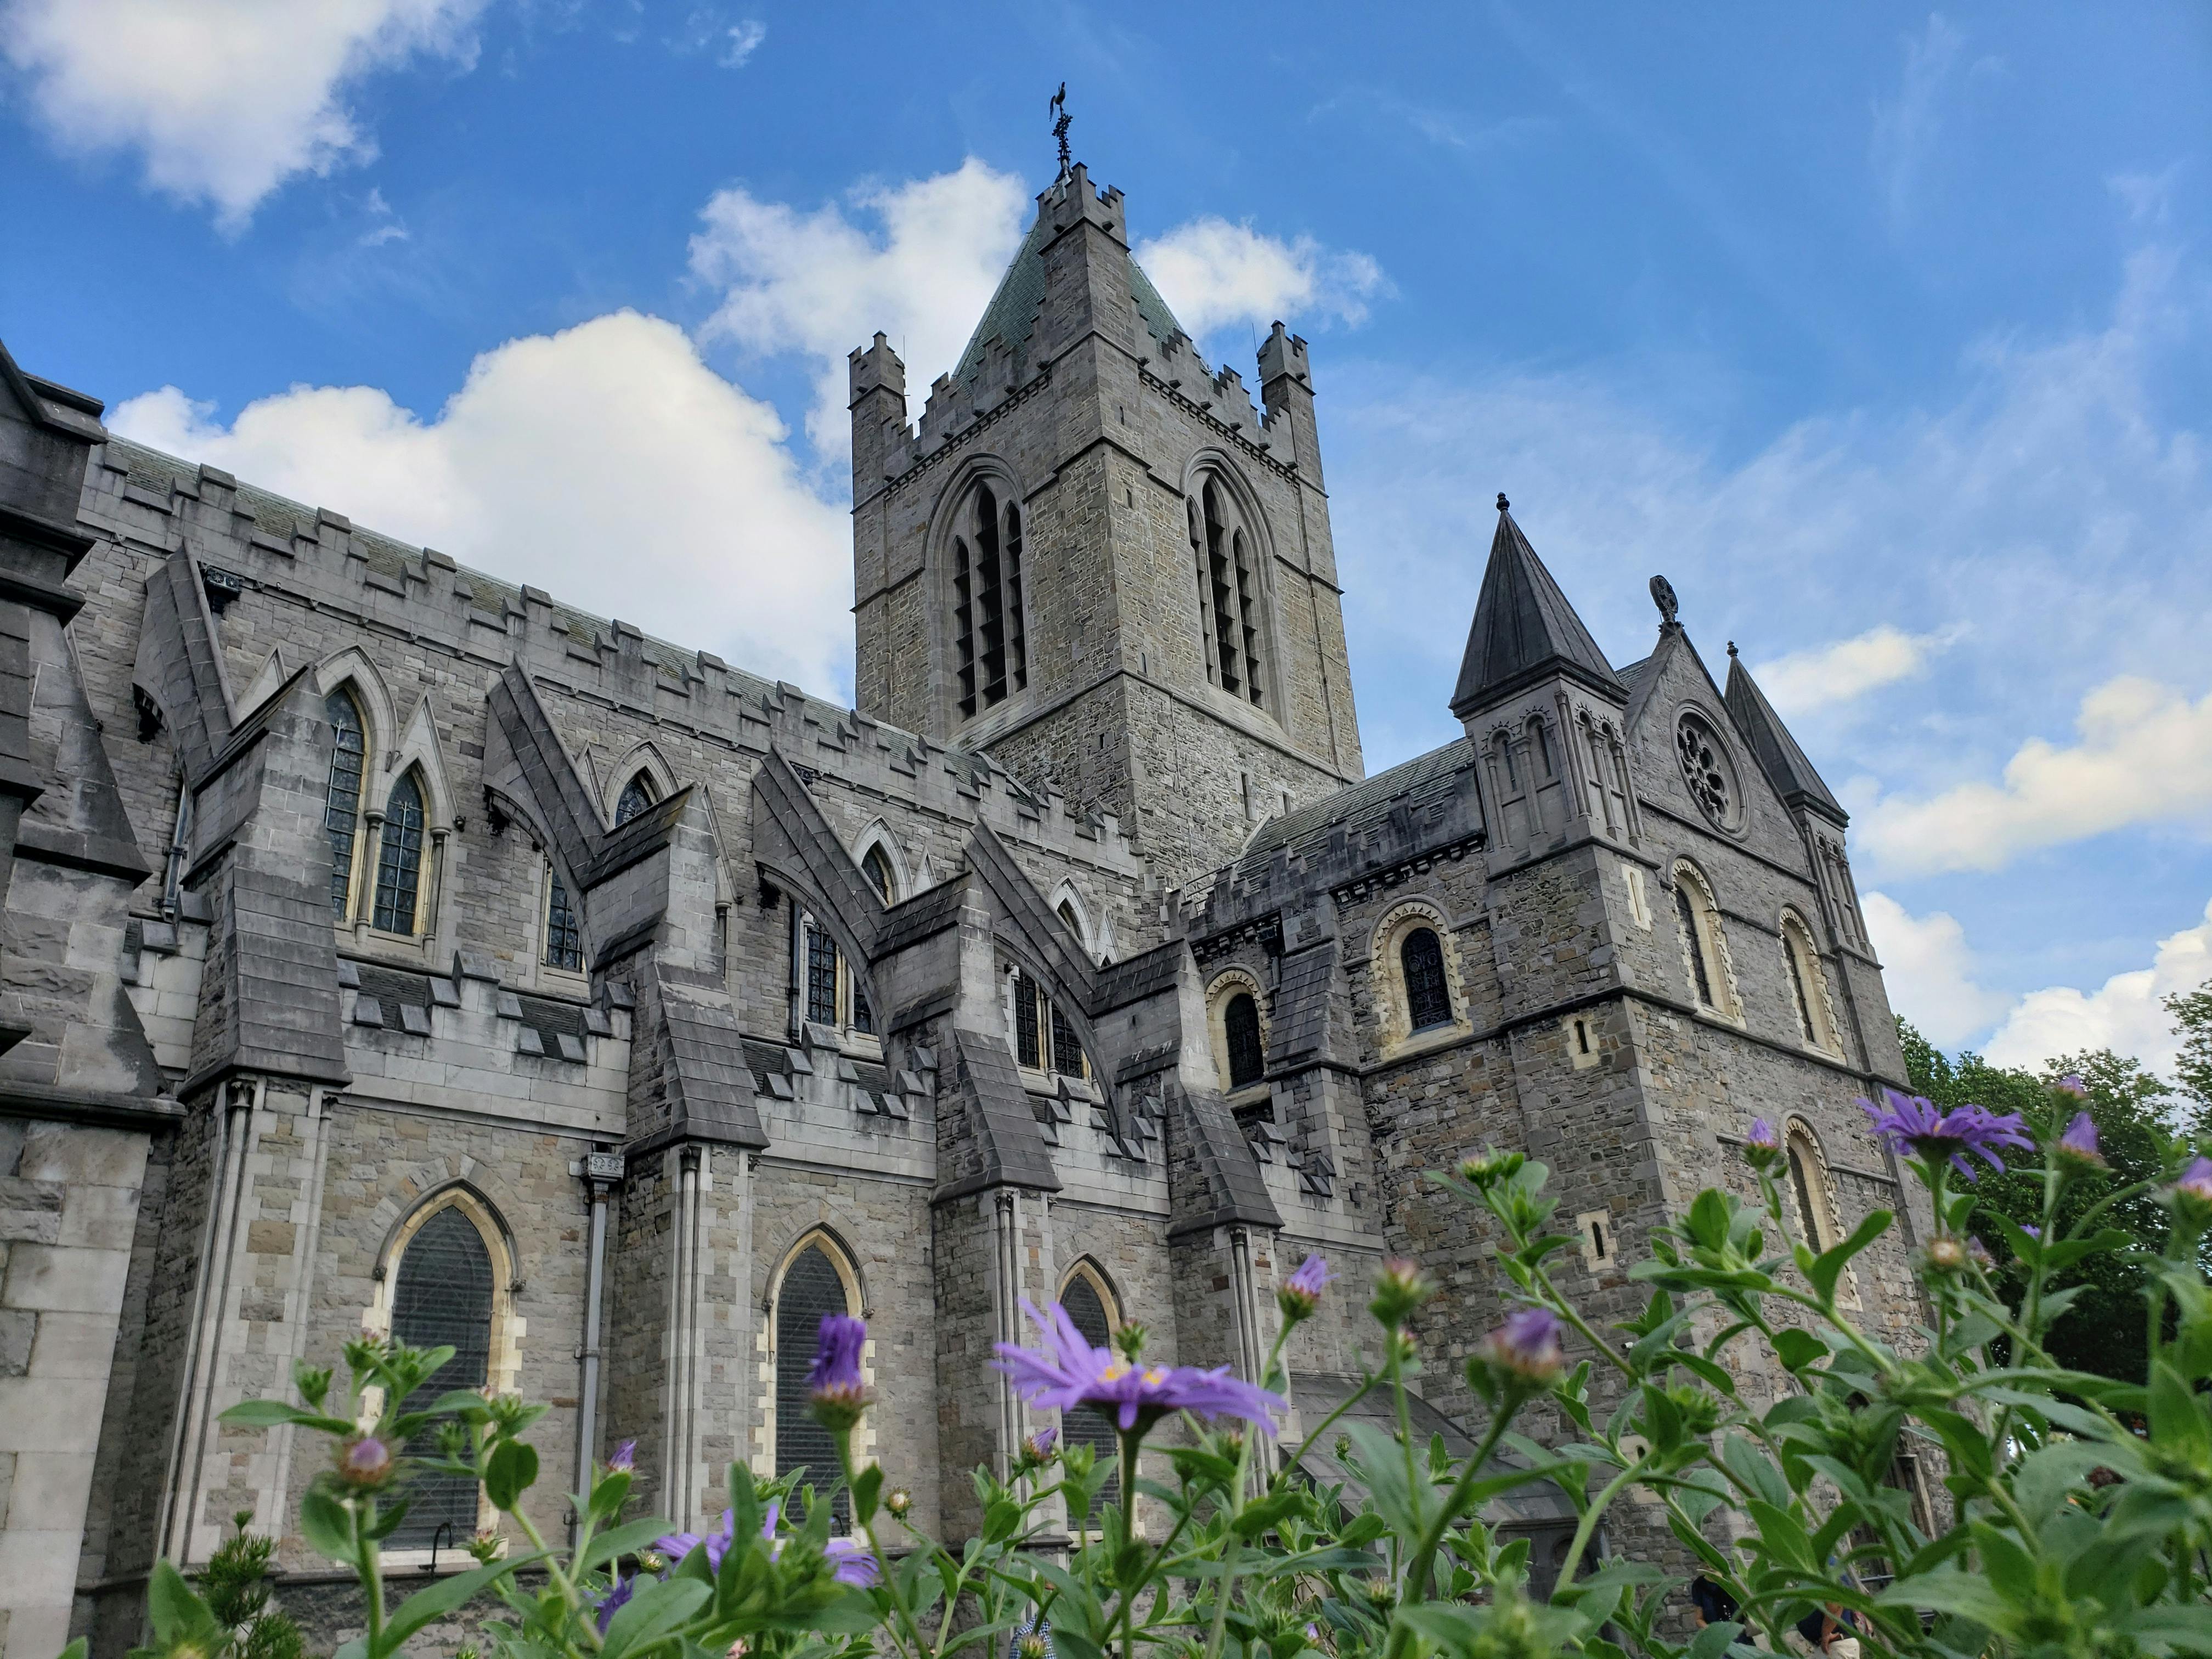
pixel 1004 1220
pixel 1249 1357
pixel 599 1178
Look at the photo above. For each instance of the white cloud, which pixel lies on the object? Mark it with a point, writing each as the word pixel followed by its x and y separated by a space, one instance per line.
pixel 1829 674
pixel 606 463
pixel 744 39
pixel 1929 970
pixel 2144 755
pixel 2126 1014
pixel 1213 273
pixel 818 284
pixel 1908 134
pixel 224 99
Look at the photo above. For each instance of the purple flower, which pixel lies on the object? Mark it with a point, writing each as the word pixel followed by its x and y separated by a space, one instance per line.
pixel 624 1459
pixel 2196 1183
pixel 835 1383
pixel 851 1563
pixel 1299 1296
pixel 1763 1136
pixel 2031 1230
pixel 677 1544
pixel 1913 1124
pixel 2073 1085
pixel 610 1603
pixel 1527 1347
pixel 2079 1143
pixel 1038 1447
pixel 1065 1371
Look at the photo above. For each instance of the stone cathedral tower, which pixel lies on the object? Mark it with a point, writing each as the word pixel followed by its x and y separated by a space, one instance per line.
pixel 1096 558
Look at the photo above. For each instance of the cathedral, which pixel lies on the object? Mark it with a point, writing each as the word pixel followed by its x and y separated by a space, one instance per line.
pixel 388 944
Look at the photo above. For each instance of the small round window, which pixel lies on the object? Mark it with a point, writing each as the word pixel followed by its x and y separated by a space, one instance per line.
pixel 1708 771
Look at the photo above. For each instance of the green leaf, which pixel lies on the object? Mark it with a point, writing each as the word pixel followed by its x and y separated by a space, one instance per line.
pixel 442 1598
pixel 271 1413
pixel 510 1471
pixel 326 1523
pixel 177 1614
pixel 1712 1641
pixel 1825 1271
pixel 1797 1349
pixel 657 1608
pixel 619 1541
pixel 1959 1593
pixel 866 1487
pixel 1755 1469
pixel 2177 1416
pixel 76 1650
pixel 851 1614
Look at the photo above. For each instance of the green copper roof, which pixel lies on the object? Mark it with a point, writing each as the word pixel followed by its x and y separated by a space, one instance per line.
pixel 1011 315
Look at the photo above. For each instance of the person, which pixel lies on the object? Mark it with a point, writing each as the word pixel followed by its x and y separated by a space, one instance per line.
pixel 1710 1603
pixel 1842 1633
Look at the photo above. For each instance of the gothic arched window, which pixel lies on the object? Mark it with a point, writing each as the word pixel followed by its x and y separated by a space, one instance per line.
pixel 443 1295
pixel 991 645
pixel 812 1291
pixel 1240 1024
pixel 821 977
pixel 1428 998
pixel 564 934
pixel 1700 920
pixel 1230 608
pixel 342 794
pixel 1090 1308
pixel 1808 985
pixel 1694 941
pixel 877 867
pixel 399 857
pixel 637 794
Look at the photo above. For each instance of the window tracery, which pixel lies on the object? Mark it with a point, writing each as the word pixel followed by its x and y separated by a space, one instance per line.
pixel 1707 770
pixel 564 933
pixel 636 795
pixel 1090 1307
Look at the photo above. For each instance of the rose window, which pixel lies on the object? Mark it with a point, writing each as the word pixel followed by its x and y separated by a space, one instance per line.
pixel 1706 768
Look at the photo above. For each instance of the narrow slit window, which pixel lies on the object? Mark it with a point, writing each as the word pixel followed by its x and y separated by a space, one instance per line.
pixel 1428 999
pixel 1597 1240
pixel 342 794
pixel 1686 912
pixel 1240 1024
pixel 812 1291
pixel 564 936
pixel 442 1295
pixel 1798 987
pixel 399 859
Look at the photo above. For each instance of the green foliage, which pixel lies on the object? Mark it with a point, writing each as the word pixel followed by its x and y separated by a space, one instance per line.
pixel 2192 1022
pixel 229 1615
pixel 2101 1328
pixel 2073 1520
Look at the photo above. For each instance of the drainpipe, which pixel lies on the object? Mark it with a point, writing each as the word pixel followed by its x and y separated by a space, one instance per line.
pixel 602 1172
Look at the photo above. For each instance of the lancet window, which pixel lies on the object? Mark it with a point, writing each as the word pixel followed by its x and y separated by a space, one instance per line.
pixel 1230 607
pixel 342 794
pixel 991 642
pixel 399 859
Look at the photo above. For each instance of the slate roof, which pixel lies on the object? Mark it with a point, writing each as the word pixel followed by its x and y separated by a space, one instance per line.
pixel 1792 774
pixel 1012 314
pixel 1524 628
pixel 1363 803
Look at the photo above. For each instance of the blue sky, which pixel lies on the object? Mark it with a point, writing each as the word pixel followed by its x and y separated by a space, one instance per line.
pixel 1885 333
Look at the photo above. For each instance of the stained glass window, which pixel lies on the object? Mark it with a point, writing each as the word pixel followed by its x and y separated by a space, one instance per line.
pixel 878 869
pixel 812 1291
pixel 1239 1024
pixel 1428 999
pixel 443 1295
pixel 399 859
pixel 1028 1039
pixel 821 977
pixel 341 796
pixel 564 939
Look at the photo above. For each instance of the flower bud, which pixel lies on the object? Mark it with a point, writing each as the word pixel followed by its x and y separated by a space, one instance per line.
pixel 1946 1254
pixel 899 1500
pixel 1486 1168
pixel 1299 1297
pixel 624 1458
pixel 2191 1195
pixel 364 1462
pixel 1762 1147
pixel 2078 1146
pixel 1399 1287
pixel 1525 1350
pixel 2072 1085
pixel 1129 1340
pixel 835 1384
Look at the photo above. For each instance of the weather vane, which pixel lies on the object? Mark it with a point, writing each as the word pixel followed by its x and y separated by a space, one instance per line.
pixel 1061 124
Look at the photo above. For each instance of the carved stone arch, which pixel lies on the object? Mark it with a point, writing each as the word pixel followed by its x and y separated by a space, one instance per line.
pixel 1386 973
pixel 641 756
pixel 413 1214
pixel 418 747
pixel 1725 998
pixel 878 835
pixel 843 1257
pixel 1212 460
pixel 1220 991
pixel 1086 933
pixel 808 898
pixel 1089 1267
pixel 467 1194
pixel 352 668
pixel 1819 997
pixel 1804 1154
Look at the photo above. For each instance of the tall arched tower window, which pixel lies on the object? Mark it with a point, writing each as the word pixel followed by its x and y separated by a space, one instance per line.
pixel 399 857
pixel 443 1294
pixel 1239 1023
pixel 637 794
pixel 1230 610
pixel 990 640
pixel 341 795
pixel 1428 996
pixel 1089 1306
pixel 812 1289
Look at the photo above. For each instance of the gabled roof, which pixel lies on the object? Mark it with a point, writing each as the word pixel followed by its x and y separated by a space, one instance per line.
pixel 1012 314
pixel 1524 628
pixel 1792 774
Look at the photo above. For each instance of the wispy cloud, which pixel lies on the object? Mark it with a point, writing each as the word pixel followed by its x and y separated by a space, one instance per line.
pixel 1911 126
pixel 1825 674
pixel 741 42
pixel 223 100
pixel 1213 273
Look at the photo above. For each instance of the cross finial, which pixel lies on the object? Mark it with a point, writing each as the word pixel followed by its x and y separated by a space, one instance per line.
pixel 1662 595
pixel 1061 122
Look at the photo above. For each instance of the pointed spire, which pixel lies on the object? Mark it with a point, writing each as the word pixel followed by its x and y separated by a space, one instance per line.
pixel 1524 628
pixel 1792 774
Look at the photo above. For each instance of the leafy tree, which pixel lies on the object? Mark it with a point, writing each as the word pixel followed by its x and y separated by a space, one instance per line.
pixel 2102 1331
pixel 2192 1021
